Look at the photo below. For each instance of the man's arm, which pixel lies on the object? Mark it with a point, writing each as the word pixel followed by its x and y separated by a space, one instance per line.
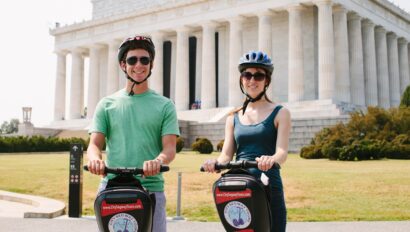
pixel 94 153
pixel 152 167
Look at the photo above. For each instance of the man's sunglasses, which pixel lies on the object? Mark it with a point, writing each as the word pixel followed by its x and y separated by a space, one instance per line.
pixel 132 60
pixel 258 76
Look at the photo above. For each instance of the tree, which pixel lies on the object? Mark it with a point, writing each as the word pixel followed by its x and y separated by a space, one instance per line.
pixel 405 98
pixel 4 126
pixel 10 127
pixel 14 125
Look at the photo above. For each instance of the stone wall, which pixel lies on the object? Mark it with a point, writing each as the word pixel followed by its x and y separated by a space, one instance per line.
pixel 302 132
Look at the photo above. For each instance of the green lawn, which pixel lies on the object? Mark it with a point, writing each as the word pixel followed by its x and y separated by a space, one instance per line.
pixel 316 190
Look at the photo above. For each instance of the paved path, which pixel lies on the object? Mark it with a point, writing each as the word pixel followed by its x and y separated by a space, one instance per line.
pixel 89 224
pixel 11 219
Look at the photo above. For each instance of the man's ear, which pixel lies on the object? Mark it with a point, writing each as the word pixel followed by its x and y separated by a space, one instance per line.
pixel 123 66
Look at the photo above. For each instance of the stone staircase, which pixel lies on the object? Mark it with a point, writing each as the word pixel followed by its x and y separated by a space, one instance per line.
pixel 308 117
pixel 304 129
pixel 302 132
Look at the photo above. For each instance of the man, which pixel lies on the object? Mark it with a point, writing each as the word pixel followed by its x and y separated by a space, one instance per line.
pixel 139 126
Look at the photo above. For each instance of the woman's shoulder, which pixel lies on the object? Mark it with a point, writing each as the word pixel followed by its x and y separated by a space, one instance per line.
pixel 283 114
pixel 280 111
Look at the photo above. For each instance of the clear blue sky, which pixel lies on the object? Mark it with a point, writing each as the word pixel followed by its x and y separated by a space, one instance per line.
pixel 27 62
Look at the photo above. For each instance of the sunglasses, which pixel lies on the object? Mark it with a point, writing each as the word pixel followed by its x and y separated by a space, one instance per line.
pixel 132 60
pixel 258 76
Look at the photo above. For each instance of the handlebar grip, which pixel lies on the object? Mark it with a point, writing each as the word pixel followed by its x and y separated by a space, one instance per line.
pixel 163 168
pixel 239 164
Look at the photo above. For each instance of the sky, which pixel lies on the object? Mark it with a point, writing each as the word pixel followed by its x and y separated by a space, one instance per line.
pixel 27 61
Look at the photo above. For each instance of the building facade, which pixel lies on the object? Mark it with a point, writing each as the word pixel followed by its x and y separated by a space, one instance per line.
pixel 345 51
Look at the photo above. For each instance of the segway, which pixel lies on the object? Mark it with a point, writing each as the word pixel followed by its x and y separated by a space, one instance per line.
pixel 125 205
pixel 242 201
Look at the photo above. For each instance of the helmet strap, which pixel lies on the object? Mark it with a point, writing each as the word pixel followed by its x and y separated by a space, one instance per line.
pixel 134 82
pixel 250 99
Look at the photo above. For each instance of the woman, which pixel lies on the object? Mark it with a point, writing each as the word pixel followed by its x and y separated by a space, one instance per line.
pixel 259 130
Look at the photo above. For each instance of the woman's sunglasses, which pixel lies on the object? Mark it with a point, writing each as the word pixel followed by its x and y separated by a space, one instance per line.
pixel 258 76
pixel 132 60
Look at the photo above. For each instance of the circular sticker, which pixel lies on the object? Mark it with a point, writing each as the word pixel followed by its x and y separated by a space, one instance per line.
pixel 237 215
pixel 123 222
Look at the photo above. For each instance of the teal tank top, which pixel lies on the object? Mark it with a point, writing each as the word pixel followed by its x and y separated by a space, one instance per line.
pixel 255 140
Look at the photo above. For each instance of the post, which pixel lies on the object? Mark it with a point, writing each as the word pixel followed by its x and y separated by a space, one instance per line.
pixel 75 181
pixel 178 216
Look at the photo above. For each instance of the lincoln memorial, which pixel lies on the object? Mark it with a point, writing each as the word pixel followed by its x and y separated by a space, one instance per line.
pixel 329 56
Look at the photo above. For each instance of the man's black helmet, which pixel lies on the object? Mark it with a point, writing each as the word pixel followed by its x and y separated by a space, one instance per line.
pixel 256 59
pixel 136 42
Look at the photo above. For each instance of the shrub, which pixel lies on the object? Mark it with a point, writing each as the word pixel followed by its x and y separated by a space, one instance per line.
pixel 180 144
pixel 311 152
pixel 405 99
pixel 203 146
pixel 330 150
pixel 220 145
pixel 377 134
pixel 37 144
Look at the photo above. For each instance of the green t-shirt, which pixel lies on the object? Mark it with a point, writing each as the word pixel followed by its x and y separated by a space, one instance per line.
pixel 133 127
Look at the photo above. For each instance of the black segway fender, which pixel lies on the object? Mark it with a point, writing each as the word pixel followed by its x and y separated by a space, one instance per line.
pixel 242 203
pixel 125 205
pixel 124 209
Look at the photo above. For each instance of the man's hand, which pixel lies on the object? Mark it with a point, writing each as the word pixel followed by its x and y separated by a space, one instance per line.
pixel 152 167
pixel 96 167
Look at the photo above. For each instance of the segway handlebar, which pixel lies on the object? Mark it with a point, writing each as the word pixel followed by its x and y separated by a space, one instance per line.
pixel 132 171
pixel 239 164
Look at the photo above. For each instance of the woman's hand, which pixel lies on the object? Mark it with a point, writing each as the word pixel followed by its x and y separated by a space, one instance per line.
pixel 209 165
pixel 265 162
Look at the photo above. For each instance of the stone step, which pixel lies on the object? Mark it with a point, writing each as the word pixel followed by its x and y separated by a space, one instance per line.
pixel 302 131
pixel 315 113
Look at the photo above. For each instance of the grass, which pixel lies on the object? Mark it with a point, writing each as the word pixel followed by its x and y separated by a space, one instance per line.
pixel 316 190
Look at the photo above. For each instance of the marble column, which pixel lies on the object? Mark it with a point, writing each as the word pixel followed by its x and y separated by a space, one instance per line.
pixel 356 59
pixel 369 63
pixel 296 65
pixel 112 67
pixel 182 69
pixel 208 75
pixel 60 86
pixel 265 40
pixel 326 50
pixel 235 96
pixel 156 80
pixel 382 69
pixel 403 65
pixel 342 72
pixel 77 84
pixel 393 61
pixel 198 72
pixel 93 80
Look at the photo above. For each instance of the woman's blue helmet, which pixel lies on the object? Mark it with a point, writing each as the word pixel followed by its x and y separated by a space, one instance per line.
pixel 256 59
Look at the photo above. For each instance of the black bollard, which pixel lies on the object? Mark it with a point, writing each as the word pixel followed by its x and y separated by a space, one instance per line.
pixel 75 181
